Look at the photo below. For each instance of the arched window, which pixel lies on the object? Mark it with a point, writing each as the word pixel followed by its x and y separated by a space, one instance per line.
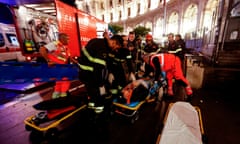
pixel 173 23
pixel 190 20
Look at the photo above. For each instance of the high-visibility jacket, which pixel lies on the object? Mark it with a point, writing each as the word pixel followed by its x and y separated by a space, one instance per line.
pixel 170 64
pixel 60 55
pixel 167 61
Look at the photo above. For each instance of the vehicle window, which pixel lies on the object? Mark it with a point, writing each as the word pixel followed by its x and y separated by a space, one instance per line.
pixel 12 38
pixel 2 43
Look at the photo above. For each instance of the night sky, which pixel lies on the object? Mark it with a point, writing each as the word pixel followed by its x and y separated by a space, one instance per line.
pixel 6 15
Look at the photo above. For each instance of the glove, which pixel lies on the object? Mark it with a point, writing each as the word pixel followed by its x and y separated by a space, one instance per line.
pixel 156 85
pixel 110 78
pixel 102 90
pixel 154 88
pixel 142 67
pixel 163 82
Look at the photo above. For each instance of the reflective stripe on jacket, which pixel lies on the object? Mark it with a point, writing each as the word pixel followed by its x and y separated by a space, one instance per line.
pixel 160 58
pixel 91 59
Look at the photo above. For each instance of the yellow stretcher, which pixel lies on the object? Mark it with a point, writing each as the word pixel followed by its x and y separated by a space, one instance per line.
pixel 182 124
pixel 130 110
pixel 50 128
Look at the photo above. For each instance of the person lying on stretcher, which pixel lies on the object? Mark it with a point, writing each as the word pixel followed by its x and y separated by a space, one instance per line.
pixel 138 90
pixel 135 91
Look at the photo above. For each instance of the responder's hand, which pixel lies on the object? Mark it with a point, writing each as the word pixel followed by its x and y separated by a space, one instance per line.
pixel 132 77
pixel 110 78
pixel 102 90
pixel 154 88
pixel 156 84
pixel 142 67
pixel 163 82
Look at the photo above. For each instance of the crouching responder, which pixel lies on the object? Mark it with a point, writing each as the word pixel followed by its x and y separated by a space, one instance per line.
pixel 120 69
pixel 171 65
pixel 56 52
pixel 93 68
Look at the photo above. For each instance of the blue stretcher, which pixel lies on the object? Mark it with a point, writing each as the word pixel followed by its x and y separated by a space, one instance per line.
pixel 131 110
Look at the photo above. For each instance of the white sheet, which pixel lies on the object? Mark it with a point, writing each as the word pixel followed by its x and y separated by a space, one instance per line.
pixel 182 125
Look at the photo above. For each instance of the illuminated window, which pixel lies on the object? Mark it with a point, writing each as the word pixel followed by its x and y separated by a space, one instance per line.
pixel 190 19
pixel 2 42
pixel 173 22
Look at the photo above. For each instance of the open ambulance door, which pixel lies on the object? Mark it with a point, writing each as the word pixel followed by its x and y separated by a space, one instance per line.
pixel 39 23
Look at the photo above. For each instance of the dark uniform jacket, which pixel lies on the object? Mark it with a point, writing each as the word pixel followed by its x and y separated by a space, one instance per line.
pixel 93 62
pixel 176 48
pixel 120 65
pixel 150 48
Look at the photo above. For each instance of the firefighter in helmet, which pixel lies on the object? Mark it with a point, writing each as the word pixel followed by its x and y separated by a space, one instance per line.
pixel 121 70
pixel 94 69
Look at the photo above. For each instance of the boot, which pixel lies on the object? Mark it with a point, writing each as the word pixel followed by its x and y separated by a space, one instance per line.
pixel 63 94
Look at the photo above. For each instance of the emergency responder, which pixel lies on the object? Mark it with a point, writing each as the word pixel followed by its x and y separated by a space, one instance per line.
pixel 171 65
pixel 175 47
pixel 120 68
pixel 132 48
pixel 139 47
pixel 182 50
pixel 131 39
pixel 151 46
pixel 56 52
pixel 93 68
pixel 181 45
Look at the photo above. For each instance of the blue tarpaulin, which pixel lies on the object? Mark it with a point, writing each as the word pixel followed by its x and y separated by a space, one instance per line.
pixel 21 72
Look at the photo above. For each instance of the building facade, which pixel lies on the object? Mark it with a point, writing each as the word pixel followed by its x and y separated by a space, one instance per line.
pixel 204 24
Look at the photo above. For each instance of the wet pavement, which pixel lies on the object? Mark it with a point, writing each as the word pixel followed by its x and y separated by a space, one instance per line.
pixel 218 104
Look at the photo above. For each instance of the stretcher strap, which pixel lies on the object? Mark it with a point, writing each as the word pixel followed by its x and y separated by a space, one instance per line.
pixel 21 72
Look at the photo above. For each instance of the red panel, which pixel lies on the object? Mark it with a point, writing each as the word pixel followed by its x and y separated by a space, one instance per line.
pixel 87 27
pixel 67 24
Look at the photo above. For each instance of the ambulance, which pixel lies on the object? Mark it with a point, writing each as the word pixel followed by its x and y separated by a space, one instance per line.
pixel 9 45
pixel 38 22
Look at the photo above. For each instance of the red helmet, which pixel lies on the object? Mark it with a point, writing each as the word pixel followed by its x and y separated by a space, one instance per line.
pixel 149 37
